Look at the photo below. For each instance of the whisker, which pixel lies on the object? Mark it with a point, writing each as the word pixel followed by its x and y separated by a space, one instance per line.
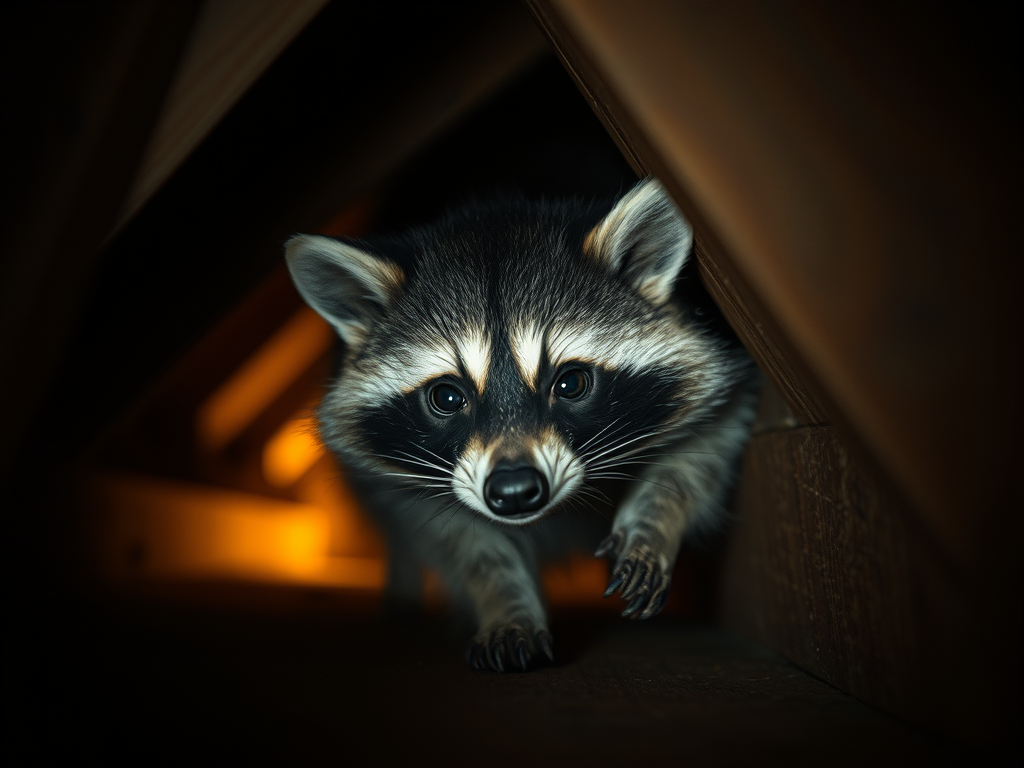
pixel 400 460
pixel 590 491
pixel 627 460
pixel 621 445
pixel 623 433
pixel 611 475
pixel 440 511
pixel 449 520
pixel 440 495
pixel 584 498
pixel 407 476
pixel 571 503
pixel 602 431
pixel 413 502
pixel 597 493
pixel 435 455
pixel 424 461
pixel 638 478
pixel 635 451
pixel 635 458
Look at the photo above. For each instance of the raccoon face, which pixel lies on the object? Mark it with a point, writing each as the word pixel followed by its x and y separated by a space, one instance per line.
pixel 505 356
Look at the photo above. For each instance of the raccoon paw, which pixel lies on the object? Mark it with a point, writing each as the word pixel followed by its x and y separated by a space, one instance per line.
pixel 639 575
pixel 508 648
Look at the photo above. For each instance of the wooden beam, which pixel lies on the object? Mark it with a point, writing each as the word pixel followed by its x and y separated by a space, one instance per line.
pixel 232 44
pixel 88 80
pixel 819 155
pixel 831 569
pixel 851 174
pixel 270 169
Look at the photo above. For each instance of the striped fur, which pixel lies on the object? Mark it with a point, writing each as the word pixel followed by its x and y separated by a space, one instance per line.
pixel 498 365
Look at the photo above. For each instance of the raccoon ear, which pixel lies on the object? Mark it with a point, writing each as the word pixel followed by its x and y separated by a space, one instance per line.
pixel 644 240
pixel 349 287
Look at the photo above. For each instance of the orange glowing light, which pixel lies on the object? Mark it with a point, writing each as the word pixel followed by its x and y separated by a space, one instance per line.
pixel 164 529
pixel 291 350
pixel 579 580
pixel 291 451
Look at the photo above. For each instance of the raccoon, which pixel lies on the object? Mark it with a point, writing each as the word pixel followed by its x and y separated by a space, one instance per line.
pixel 498 365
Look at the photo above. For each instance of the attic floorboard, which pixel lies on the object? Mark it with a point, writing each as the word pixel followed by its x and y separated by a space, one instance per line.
pixel 286 691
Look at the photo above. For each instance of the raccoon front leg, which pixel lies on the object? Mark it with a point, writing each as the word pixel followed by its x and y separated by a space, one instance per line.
pixel 687 485
pixel 491 571
pixel 513 628
pixel 645 540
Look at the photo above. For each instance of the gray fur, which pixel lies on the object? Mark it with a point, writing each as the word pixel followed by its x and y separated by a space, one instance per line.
pixel 501 362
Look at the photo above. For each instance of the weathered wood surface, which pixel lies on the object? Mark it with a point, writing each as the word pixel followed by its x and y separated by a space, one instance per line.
pixel 304 690
pixel 818 155
pixel 758 331
pixel 231 44
pixel 762 336
pixel 216 228
pixel 831 569
pixel 860 236
pixel 83 85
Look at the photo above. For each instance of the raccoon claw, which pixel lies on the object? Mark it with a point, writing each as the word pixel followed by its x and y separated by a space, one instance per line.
pixel 613 585
pixel 509 648
pixel 643 579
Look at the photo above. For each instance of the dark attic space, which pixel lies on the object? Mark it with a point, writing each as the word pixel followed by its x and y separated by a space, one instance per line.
pixel 191 575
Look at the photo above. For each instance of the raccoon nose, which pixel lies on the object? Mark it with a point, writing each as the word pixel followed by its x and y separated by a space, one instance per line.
pixel 512 491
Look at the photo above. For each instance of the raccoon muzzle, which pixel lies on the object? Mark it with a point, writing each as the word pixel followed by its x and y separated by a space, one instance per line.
pixel 510 492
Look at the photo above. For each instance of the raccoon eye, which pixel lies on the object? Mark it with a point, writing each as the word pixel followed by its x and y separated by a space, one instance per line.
pixel 572 385
pixel 445 399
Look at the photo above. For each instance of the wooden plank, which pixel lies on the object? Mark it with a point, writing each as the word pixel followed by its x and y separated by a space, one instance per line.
pixel 762 336
pixel 830 569
pixel 232 44
pixel 483 48
pixel 294 689
pixel 87 82
pixel 845 207
pixel 217 227
pixel 811 155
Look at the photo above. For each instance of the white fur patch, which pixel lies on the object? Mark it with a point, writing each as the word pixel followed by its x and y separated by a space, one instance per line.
pixel 475 351
pixel 527 342
pixel 564 472
pixel 411 366
pixel 470 474
pixel 637 349
pixel 425 363
pixel 551 456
